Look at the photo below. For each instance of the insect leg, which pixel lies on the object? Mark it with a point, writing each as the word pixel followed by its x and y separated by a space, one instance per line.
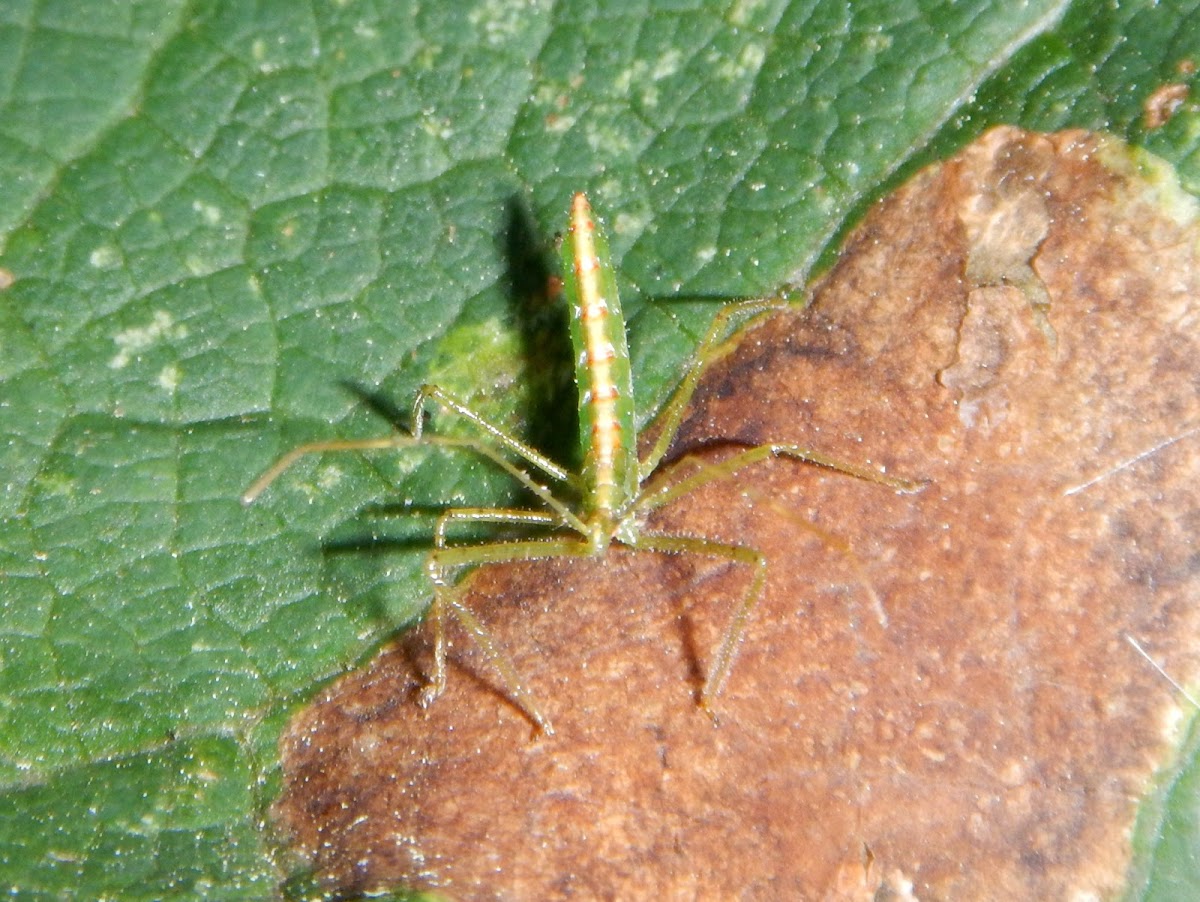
pixel 276 469
pixel 394 442
pixel 710 350
pixel 837 543
pixel 655 496
pixel 447 561
pixel 446 400
pixel 722 662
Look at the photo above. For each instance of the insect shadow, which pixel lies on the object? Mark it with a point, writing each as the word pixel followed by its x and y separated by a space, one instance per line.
pixel 581 513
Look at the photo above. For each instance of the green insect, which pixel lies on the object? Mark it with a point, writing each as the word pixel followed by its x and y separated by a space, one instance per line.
pixel 616 491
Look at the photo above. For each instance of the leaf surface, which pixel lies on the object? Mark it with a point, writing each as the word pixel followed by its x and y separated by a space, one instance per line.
pixel 234 227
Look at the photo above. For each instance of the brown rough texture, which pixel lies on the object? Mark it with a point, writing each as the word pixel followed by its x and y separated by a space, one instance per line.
pixel 1017 325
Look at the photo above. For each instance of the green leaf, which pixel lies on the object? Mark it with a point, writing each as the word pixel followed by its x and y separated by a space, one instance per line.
pixel 233 227
pixel 160 824
pixel 1168 831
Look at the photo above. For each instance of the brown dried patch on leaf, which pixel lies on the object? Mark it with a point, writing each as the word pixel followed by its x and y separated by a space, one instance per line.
pixel 936 698
pixel 1163 103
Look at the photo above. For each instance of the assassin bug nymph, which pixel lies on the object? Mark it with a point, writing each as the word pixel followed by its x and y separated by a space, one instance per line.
pixel 616 490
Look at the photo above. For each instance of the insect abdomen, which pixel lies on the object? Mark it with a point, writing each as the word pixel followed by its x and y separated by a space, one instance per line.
pixel 601 363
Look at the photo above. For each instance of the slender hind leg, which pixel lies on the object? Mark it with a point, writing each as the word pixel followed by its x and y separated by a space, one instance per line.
pixel 722 661
pixel 443 566
pixel 445 563
pixel 708 353
pixel 705 472
pixel 418 439
pixel 663 488
pixel 838 544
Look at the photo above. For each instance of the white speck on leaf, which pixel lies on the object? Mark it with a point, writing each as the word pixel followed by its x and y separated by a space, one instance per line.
pixel 168 377
pixel 131 342
pixel 329 478
pixel 668 64
pixel 105 257
pixel 210 212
